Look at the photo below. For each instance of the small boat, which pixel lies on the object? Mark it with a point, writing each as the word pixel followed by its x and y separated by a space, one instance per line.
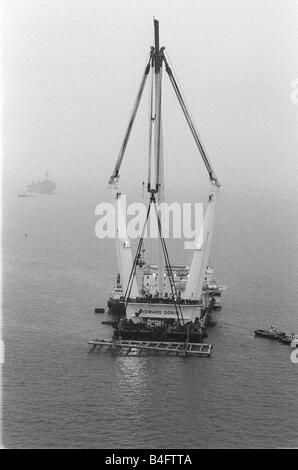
pixel 99 310
pixel 286 339
pixel 25 195
pixel 272 333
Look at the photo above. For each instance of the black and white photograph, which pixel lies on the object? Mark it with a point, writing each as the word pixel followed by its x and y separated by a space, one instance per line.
pixel 149 201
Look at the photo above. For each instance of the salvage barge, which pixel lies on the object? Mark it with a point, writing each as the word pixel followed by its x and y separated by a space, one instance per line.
pixel 161 315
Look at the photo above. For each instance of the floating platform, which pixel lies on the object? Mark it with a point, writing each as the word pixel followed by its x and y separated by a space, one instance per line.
pixel 142 348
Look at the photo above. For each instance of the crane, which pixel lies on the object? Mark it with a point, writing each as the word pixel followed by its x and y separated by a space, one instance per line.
pixel 154 67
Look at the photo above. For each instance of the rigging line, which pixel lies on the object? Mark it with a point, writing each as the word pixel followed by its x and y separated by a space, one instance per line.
pixel 188 116
pixel 169 269
pixel 133 269
pixel 171 276
pixel 181 90
pixel 132 273
pixel 193 130
pixel 167 258
pixel 173 67
pixel 172 282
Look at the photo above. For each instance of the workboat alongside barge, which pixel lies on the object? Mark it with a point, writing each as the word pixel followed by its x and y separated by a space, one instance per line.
pixel 164 301
pixel 274 333
pixel 271 333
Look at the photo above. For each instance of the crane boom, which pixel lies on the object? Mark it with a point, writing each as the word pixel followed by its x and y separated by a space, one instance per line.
pixel 115 174
pixel 201 254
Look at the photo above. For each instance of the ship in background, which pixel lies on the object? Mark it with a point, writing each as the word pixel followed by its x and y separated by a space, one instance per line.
pixel 46 186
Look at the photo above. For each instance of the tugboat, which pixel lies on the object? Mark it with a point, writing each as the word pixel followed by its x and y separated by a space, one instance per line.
pixel 45 186
pixel 275 333
pixel 287 339
pixel 272 333
pixel 158 304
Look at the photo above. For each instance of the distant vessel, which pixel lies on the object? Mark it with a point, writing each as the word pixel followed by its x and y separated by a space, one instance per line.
pixel 45 186
pixel 25 195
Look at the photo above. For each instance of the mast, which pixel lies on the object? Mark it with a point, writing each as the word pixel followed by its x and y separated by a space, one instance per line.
pixel 160 199
pixel 157 121
pixel 158 177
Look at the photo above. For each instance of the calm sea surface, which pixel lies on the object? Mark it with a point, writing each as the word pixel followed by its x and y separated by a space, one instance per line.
pixel 56 394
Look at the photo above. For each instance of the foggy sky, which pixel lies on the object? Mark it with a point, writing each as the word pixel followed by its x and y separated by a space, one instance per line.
pixel 71 69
